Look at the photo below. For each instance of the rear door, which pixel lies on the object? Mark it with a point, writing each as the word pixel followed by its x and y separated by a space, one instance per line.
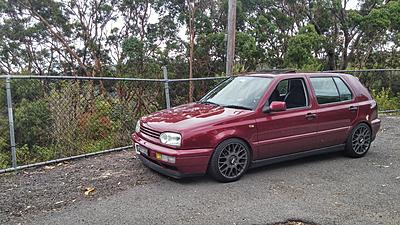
pixel 337 109
pixel 290 131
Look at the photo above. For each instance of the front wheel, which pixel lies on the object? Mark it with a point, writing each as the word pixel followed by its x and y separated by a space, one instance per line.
pixel 359 141
pixel 230 160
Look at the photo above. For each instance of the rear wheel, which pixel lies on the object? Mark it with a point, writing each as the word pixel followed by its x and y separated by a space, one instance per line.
pixel 359 141
pixel 230 160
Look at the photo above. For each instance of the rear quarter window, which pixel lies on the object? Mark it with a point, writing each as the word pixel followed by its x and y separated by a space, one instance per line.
pixel 325 90
pixel 344 91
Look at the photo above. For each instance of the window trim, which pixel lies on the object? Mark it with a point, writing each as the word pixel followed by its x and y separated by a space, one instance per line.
pixel 332 103
pixel 348 88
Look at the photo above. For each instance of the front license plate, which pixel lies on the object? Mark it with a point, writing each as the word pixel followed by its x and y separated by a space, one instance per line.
pixel 141 150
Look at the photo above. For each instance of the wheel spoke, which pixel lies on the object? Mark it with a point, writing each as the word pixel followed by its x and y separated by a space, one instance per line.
pixel 224 169
pixel 232 173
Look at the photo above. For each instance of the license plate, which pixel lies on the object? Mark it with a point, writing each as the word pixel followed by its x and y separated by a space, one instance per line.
pixel 141 150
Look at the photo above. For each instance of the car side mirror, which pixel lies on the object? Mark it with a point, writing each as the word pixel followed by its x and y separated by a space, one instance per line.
pixel 276 106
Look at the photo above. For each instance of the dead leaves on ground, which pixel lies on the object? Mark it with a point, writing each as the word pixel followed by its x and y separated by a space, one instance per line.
pixel 89 191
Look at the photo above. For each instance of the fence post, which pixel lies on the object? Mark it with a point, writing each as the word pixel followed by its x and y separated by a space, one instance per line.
pixel 11 123
pixel 166 87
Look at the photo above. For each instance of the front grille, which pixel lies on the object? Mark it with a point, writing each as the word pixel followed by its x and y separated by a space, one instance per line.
pixel 149 132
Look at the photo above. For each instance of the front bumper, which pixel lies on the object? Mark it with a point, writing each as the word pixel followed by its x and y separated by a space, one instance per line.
pixel 191 162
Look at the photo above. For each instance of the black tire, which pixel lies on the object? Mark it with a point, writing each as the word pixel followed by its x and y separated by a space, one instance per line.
pixel 359 141
pixel 230 160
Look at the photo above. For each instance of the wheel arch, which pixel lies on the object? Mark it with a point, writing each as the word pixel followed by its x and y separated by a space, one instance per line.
pixel 360 122
pixel 240 138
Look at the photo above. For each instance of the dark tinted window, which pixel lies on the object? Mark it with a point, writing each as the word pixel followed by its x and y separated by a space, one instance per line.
pixel 282 87
pixel 291 91
pixel 325 90
pixel 344 91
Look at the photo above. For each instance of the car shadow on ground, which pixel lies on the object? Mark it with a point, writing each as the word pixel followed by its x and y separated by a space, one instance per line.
pixel 265 169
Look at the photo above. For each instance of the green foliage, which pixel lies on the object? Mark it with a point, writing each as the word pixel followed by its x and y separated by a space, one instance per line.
pixel 26 154
pixel 5 159
pixel 4 132
pixel 393 8
pixel 377 20
pixel 247 52
pixel 98 124
pixel 303 48
pixel 32 122
pixel 99 145
pixel 385 99
pixel 133 49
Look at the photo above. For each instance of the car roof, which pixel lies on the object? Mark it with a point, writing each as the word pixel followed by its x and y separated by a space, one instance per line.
pixel 289 74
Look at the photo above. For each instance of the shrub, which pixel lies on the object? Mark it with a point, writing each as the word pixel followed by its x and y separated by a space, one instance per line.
pixel 27 155
pixel 5 160
pixel 385 99
pixel 32 122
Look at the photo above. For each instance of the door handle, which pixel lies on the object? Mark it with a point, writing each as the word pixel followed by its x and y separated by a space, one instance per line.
pixel 353 108
pixel 311 116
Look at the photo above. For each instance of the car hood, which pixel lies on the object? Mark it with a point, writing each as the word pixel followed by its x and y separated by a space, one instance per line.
pixel 190 116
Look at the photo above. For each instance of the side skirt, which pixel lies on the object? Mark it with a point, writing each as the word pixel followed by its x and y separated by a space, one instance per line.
pixel 297 155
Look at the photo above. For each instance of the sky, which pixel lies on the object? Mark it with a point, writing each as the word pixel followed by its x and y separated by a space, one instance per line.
pixel 352 4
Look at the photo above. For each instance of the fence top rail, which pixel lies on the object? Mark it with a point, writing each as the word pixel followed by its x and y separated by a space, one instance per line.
pixel 44 77
pixel 77 78
pixel 52 77
pixel 197 79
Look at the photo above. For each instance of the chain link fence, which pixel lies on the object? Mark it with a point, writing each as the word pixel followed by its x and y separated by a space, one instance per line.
pixel 5 154
pixel 179 89
pixel 58 118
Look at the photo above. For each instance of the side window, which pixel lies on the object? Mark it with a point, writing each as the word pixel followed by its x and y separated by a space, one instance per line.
pixel 325 90
pixel 344 91
pixel 283 87
pixel 291 91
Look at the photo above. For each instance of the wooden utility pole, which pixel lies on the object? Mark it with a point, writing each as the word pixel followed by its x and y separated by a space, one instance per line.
pixel 192 34
pixel 230 46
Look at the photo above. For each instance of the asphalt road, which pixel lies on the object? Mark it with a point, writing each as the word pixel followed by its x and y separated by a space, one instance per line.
pixel 328 189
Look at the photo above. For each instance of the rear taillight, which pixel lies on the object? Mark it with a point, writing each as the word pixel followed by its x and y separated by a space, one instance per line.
pixel 374 105
pixel 374 110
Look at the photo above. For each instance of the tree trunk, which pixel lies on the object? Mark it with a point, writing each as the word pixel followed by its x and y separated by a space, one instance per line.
pixel 345 58
pixel 331 59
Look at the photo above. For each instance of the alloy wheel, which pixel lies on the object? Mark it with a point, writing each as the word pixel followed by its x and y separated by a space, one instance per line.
pixel 232 160
pixel 361 140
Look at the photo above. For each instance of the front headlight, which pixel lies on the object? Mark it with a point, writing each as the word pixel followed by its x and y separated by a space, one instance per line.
pixel 169 138
pixel 137 128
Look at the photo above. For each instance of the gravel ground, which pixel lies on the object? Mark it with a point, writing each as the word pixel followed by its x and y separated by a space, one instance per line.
pixel 326 189
pixel 50 188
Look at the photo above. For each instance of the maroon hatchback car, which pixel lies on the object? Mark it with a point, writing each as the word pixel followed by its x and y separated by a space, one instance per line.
pixel 257 119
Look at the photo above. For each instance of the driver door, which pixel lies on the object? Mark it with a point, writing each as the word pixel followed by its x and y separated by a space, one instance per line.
pixel 290 131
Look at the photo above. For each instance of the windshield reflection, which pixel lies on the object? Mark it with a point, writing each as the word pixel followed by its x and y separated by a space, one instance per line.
pixel 243 92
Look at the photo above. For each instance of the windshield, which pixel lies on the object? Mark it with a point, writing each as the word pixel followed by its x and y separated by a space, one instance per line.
pixel 238 92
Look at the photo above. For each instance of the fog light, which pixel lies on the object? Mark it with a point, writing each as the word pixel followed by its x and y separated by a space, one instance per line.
pixel 165 158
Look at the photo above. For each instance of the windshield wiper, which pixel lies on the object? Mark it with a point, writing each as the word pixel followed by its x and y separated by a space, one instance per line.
pixel 209 103
pixel 237 107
